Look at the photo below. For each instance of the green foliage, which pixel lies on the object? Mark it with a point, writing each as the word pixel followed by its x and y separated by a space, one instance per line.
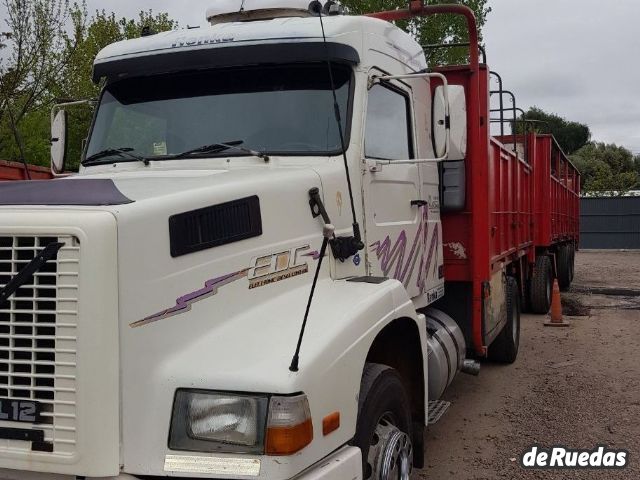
pixel 52 45
pixel 570 135
pixel 104 29
pixel 76 82
pixel 36 49
pixel 607 169
pixel 434 30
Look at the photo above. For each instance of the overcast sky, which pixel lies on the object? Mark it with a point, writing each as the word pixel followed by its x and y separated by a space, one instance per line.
pixel 576 58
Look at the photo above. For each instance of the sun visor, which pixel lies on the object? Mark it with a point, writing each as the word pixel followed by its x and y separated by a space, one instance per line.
pixel 204 57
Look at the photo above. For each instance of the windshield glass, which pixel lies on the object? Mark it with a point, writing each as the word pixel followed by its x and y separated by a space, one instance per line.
pixel 286 109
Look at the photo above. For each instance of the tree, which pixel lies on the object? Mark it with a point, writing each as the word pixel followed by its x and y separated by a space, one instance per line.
pixel 104 29
pixel 570 135
pixel 51 47
pixel 606 169
pixel 76 80
pixel 39 48
pixel 433 30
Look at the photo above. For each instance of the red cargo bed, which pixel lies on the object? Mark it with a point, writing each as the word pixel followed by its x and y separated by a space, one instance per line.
pixel 518 206
pixel 16 171
pixel 557 193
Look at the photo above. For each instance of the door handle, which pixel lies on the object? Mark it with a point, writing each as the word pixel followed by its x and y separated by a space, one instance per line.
pixel 419 203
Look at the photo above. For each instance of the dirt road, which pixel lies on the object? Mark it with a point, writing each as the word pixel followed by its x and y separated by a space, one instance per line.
pixel 577 387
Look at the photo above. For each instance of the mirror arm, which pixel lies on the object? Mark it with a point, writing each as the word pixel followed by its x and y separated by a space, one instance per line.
pixel 376 165
pixel 59 106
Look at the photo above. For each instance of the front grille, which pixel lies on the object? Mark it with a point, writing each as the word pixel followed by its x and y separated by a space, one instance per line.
pixel 38 326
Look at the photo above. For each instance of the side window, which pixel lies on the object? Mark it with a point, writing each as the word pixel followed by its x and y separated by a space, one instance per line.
pixel 388 131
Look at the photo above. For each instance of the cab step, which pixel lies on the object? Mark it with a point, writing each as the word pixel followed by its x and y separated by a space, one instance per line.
pixel 437 409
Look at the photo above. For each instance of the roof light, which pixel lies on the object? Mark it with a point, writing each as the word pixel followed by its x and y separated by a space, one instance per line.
pixel 241 11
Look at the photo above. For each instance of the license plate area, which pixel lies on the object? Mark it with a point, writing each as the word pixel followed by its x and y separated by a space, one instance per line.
pixel 23 411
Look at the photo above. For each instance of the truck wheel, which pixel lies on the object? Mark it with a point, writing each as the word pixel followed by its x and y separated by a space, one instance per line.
pixel 564 267
pixel 572 261
pixel 504 348
pixel 541 284
pixel 383 432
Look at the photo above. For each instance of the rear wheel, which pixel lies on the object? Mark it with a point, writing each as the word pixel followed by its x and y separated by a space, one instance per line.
pixel 572 261
pixel 563 259
pixel 383 432
pixel 540 285
pixel 504 348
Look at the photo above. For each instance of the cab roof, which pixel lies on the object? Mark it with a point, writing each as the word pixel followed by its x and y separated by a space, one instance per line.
pixel 215 46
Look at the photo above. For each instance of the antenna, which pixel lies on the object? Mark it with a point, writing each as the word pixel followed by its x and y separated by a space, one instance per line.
pixel 327 233
pixel 342 247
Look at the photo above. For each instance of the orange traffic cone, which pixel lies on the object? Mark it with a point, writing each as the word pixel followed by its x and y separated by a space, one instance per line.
pixel 556 308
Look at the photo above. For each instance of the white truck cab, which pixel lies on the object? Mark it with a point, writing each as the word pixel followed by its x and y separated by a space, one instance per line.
pixel 156 337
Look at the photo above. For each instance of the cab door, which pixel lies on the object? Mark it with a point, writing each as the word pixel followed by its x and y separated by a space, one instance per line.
pixel 393 209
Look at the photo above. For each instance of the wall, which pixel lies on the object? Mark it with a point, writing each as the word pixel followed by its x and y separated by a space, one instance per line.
pixel 610 223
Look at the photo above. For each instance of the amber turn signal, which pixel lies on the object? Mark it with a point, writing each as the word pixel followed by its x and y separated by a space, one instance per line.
pixel 288 440
pixel 289 426
pixel 330 423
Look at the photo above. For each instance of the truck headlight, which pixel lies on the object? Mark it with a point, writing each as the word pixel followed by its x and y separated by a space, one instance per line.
pixel 218 422
pixel 205 421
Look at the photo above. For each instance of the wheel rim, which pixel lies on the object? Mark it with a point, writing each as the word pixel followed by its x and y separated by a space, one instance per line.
pixel 391 452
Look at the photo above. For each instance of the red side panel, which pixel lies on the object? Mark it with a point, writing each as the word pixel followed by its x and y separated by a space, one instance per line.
pixel 496 226
pixel 16 171
pixel 557 193
pixel 510 204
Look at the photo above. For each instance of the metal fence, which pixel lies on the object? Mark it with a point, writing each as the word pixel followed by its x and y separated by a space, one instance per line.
pixel 610 223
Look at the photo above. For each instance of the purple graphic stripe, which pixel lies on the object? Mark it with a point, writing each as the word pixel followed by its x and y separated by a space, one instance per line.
pixel 314 254
pixel 183 304
pixel 393 258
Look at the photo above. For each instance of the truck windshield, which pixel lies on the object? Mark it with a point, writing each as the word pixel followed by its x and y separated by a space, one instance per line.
pixel 286 110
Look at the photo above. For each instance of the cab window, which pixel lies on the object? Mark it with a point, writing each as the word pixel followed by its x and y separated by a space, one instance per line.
pixel 388 128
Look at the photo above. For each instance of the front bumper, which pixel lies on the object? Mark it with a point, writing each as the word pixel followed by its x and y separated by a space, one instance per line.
pixel 344 464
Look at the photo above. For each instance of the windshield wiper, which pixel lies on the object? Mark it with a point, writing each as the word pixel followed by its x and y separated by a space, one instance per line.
pixel 124 152
pixel 221 147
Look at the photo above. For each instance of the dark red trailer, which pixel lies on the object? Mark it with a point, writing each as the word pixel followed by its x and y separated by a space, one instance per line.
pixel 556 210
pixel 519 225
pixel 17 171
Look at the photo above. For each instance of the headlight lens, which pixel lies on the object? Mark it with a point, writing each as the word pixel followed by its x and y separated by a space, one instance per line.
pixel 223 419
pixel 218 422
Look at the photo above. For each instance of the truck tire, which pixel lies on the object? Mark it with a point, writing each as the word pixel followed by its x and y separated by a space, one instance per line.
pixel 540 285
pixel 563 259
pixel 383 431
pixel 504 348
pixel 572 261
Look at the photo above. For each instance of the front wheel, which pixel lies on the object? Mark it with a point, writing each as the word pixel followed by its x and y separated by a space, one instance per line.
pixel 383 432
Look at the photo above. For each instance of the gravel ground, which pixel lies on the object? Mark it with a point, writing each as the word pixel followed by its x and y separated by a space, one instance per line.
pixel 578 387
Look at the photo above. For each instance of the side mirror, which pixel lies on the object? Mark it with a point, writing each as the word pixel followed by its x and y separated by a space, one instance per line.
pixel 59 142
pixel 453 177
pixel 456 125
